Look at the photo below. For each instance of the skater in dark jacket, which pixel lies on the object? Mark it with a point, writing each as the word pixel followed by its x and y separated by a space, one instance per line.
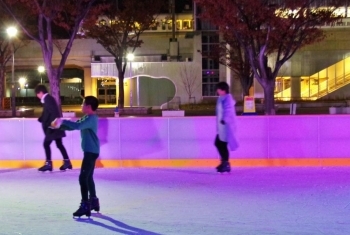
pixel 90 144
pixel 51 112
pixel 225 126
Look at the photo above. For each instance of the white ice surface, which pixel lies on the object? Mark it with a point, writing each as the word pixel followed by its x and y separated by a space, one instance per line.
pixel 179 201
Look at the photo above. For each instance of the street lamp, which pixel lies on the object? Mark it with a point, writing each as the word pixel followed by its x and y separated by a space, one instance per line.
pixel 12 32
pixel 130 58
pixel 41 69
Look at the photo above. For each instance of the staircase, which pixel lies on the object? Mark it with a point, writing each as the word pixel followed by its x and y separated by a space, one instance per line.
pixel 321 83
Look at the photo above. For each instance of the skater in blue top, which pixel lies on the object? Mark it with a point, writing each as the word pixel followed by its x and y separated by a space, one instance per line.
pixel 225 126
pixel 90 144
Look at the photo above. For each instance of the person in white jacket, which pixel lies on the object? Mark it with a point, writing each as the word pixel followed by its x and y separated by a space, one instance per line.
pixel 226 126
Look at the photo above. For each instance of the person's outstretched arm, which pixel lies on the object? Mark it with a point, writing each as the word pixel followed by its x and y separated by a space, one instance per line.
pixel 86 122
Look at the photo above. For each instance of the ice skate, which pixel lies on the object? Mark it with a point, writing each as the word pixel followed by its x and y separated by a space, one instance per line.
pixel 225 167
pixel 219 166
pixel 84 209
pixel 46 167
pixel 66 165
pixel 95 204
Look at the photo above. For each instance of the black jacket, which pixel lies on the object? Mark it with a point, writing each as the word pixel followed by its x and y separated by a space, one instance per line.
pixel 50 112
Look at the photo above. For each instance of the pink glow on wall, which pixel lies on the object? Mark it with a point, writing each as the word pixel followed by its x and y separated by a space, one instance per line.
pixel 260 137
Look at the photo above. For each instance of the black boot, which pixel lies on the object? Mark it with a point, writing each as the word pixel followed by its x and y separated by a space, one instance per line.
pixel 225 167
pixel 219 166
pixel 46 167
pixel 66 165
pixel 84 209
pixel 95 204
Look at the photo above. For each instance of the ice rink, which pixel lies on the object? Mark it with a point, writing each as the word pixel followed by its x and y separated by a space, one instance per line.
pixel 179 201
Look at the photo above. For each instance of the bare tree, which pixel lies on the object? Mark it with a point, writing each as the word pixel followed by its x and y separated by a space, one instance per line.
pixel 45 21
pixel 262 28
pixel 190 79
pixel 118 30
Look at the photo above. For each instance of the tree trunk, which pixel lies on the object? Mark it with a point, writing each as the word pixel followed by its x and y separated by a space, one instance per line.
pixel 121 90
pixel 245 88
pixel 2 84
pixel 55 90
pixel 246 83
pixel 269 97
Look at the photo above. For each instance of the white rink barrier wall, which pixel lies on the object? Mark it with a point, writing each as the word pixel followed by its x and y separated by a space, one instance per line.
pixel 315 140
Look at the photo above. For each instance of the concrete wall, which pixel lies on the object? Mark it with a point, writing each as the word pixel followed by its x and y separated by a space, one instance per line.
pixel 313 58
pixel 84 50
pixel 157 142
pixel 177 72
pixel 305 62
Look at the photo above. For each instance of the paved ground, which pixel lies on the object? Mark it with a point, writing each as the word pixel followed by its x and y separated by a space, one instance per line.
pixel 189 201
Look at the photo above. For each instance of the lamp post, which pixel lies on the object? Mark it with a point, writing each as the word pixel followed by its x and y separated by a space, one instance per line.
pixel 12 32
pixel 41 69
pixel 130 58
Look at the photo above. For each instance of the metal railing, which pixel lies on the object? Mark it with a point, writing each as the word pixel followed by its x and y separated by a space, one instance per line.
pixel 321 83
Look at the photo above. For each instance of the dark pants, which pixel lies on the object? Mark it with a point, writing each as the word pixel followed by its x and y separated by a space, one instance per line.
pixel 86 177
pixel 59 145
pixel 222 148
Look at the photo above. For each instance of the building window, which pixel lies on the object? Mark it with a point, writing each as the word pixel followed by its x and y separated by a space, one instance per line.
pixel 106 90
pixel 206 25
pixel 210 66
pixel 154 25
pixel 208 90
pixel 210 38
pixel 209 80
pixel 209 63
pixel 187 24
pixel 178 24
pixel 164 23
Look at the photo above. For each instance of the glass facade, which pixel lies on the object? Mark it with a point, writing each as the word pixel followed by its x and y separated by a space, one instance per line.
pixel 210 66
